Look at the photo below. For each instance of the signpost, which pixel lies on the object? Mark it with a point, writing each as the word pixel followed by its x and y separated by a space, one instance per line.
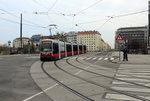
pixel 9 42
pixel 119 38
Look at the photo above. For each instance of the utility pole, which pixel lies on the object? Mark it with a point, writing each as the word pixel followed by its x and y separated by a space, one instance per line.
pixel 148 36
pixel 21 31
pixel 148 22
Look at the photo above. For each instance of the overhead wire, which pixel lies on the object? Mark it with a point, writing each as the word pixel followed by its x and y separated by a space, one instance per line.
pixel 130 14
pixel 12 21
pixel 35 1
pixel 104 23
pixel 52 5
pixel 89 6
pixel 111 17
pixel 19 17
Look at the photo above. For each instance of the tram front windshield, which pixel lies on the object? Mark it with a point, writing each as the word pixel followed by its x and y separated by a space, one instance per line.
pixel 46 47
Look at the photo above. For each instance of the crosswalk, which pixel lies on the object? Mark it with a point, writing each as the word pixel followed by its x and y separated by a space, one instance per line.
pixel 97 58
pixel 132 73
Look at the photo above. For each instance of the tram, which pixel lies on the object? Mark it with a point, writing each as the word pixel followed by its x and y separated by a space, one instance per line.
pixel 55 49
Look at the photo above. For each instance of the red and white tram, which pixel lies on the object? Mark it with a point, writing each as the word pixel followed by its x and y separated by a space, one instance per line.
pixel 55 49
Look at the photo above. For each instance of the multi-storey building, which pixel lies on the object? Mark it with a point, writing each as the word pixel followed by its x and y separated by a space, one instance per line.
pixel 135 39
pixel 17 42
pixel 35 42
pixel 92 39
pixel 71 37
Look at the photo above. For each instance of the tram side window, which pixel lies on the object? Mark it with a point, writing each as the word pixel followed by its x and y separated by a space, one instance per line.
pixel 55 48
pixel 80 47
pixel 75 48
pixel 69 48
pixel 85 48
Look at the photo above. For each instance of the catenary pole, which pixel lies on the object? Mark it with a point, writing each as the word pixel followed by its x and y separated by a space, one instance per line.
pixel 21 31
pixel 148 22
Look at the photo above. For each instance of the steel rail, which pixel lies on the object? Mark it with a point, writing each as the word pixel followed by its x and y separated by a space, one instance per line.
pixel 63 85
pixel 109 76
pixel 100 85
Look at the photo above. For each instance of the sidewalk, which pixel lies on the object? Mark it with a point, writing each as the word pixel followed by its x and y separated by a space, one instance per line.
pixel 132 58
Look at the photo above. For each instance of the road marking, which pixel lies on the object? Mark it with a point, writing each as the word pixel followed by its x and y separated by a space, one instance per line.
pixel 124 83
pixel 81 58
pixel 111 58
pixel 100 59
pixel 81 71
pixel 132 89
pixel 106 59
pixel 120 97
pixel 51 87
pixel 120 83
pixel 41 92
pixel 134 79
pixel 122 75
pixel 94 58
pixel 89 58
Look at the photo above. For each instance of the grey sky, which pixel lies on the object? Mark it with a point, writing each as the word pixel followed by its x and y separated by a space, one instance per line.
pixel 89 15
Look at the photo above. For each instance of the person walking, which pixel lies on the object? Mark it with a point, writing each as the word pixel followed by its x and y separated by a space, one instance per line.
pixel 125 54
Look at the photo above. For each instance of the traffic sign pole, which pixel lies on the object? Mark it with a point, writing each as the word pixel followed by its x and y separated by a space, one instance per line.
pixel 119 38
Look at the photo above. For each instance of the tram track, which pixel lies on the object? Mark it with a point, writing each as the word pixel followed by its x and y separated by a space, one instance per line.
pixel 88 81
pixel 140 85
pixel 101 85
pixel 129 75
pixel 65 86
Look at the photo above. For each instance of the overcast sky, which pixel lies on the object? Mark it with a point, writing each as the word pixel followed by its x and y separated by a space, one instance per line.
pixel 86 14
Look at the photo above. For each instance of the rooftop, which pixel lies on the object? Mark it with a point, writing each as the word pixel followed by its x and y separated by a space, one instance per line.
pixel 88 32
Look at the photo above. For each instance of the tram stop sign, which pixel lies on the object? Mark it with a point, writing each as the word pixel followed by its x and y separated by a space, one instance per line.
pixel 119 37
pixel 9 43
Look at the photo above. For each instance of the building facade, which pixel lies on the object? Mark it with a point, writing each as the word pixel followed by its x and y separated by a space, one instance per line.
pixel 35 42
pixel 17 42
pixel 93 41
pixel 71 37
pixel 135 39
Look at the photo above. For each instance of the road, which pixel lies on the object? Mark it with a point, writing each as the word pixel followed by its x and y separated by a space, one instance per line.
pixel 86 77
pixel 16 83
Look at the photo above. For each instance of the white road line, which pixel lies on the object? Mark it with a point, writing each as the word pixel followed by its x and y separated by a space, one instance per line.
pixel 51 87
pixel 81 71
pixel 120 83
pixel 89 58
pixel 124 83
pixel 132 89
pixel 134 79
pixel 130 73
pixel 120 97
pixel 41 92
pixel 94 58
pixel 106 59
pixel 111 58
pixel 78 72
pixel 100 59
pixel 122 75
pixel 81 58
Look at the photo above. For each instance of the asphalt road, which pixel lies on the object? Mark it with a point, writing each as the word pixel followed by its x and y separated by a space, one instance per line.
pixel 16 83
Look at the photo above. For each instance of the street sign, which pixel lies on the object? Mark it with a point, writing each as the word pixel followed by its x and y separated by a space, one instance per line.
pixel 9 42
pixel 119 37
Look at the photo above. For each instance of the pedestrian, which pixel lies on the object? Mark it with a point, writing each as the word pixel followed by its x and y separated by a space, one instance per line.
pixel 125 54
